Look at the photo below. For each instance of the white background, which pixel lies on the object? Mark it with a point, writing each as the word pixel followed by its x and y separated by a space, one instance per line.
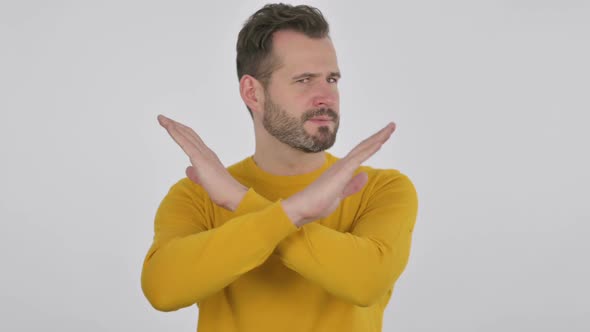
pixel 491 100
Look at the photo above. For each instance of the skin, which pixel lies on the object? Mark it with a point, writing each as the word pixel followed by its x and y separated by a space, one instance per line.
pixel 297 55
pixel 287 141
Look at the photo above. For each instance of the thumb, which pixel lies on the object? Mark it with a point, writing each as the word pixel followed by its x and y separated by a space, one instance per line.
pixel 355 184
pixel 192 174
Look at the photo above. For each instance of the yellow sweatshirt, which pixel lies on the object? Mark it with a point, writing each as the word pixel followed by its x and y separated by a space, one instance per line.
pixel 253 270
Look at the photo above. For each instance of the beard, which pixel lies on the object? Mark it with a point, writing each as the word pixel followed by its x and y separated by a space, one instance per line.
pixel 291 131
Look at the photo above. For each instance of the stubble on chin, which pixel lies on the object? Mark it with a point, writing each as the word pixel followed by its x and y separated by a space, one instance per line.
pixel 293 132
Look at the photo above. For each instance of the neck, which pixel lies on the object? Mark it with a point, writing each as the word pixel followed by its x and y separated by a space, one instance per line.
pixel 277 158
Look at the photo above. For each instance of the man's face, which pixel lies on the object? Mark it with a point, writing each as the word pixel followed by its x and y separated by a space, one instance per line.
pixel 301 106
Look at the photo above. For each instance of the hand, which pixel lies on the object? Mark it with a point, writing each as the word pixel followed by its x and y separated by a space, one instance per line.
pixel 324 195
pixel 206 170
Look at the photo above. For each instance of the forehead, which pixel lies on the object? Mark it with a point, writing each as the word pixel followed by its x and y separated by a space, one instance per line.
pixel 297 52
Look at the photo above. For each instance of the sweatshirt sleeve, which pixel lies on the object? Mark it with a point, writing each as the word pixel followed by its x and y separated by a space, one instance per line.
pixel 362 265
pixel 190 260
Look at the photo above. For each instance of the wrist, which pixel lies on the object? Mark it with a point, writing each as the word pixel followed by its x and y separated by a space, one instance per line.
pixel 236 198
pixel 292 212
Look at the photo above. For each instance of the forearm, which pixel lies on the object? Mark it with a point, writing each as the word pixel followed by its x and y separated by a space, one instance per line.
pixel 363 264
pixel 187 269
pixel 357 269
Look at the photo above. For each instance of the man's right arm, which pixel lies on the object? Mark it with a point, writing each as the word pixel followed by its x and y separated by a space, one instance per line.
pixel 189 260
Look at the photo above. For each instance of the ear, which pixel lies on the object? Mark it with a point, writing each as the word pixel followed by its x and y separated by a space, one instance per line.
pixel 252 93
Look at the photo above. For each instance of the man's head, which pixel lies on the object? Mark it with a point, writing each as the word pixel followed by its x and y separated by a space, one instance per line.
pixel 288 75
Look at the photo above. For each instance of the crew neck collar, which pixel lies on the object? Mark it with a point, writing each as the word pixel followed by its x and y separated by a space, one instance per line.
pixel 304 178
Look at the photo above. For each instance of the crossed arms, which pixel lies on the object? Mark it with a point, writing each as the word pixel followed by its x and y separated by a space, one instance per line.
pixel 191 260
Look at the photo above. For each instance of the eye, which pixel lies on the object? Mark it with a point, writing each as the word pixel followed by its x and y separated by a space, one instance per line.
pixel 333 80
pixel 303 80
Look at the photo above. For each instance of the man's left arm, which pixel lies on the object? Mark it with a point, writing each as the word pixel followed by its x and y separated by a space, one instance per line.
pixel 359 266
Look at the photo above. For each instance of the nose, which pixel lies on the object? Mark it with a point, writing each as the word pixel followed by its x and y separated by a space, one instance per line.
pixel 326 95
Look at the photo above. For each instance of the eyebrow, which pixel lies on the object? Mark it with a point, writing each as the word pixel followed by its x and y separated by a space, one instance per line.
pixel 307 74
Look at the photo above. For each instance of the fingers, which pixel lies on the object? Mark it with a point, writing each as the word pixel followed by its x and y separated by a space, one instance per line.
pixel 369 146
pixel 184 142
pixel 187 131
pixel 180 136
pixel 379 136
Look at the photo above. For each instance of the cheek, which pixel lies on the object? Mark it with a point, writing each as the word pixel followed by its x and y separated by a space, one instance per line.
pixel 288 97
pixel 295 101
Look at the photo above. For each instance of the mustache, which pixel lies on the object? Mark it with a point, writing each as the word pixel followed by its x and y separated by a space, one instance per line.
pixel 320 112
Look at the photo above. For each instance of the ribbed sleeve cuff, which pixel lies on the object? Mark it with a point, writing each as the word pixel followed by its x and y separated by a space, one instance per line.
pixel 272 218
pixel 251 202
pixel 275 223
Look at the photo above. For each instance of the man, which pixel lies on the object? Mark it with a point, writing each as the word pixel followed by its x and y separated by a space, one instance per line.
pixel 291 238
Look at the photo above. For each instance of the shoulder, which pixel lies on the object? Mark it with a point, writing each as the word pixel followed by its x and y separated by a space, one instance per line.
pixel 384 176
pixel 187 190
pixel 240 170
pixel 391 182
pixel 186 202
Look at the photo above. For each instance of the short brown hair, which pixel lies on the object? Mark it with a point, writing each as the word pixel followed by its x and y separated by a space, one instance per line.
pixel 254 47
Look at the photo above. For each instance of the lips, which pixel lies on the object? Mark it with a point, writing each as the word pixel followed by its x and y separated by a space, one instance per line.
pixel 321 118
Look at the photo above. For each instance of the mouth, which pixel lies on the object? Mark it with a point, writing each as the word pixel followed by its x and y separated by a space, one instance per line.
pixel 321 120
